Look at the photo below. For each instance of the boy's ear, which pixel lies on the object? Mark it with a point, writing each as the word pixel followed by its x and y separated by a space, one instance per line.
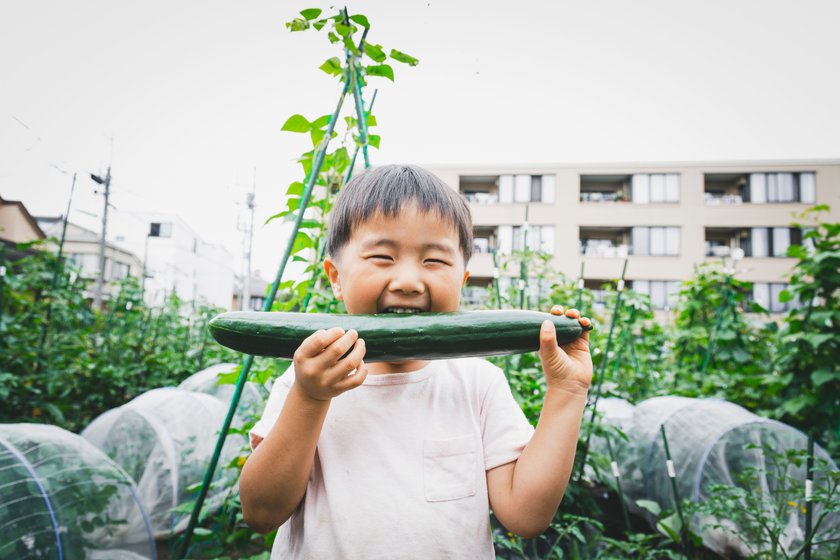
pixel 332 274
pixel 466 275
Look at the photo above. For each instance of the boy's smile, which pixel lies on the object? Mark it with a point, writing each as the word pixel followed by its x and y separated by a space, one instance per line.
pixel 408 263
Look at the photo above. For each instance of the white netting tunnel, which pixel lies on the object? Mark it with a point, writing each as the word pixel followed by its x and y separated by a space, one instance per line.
pixel 251 401
pixel 711 442
pixel 61 498
pixel 165 439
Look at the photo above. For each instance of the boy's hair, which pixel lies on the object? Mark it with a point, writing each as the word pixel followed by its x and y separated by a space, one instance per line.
pixel 387 190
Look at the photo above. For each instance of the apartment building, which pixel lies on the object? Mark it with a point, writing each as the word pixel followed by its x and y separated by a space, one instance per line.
pixel 664 218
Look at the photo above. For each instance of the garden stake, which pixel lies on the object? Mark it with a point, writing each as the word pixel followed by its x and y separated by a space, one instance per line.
pixel 361 116
pixel 602 366
pixel 580 284
pixel 248 359
pixel 724 306
pixel 322 247
pixel 499 305
pixel 523 273
pixel 617 475
pixel 2 276
pixel 59 268
pixel 672 474
pixel 809 488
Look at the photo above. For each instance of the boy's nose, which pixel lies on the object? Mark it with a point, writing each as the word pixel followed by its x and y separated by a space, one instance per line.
pixel 406 279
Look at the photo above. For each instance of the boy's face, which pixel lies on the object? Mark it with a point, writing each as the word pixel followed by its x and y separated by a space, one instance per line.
pixel 411 262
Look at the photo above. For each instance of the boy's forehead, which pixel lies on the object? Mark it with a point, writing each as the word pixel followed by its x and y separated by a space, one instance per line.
pixel 420 226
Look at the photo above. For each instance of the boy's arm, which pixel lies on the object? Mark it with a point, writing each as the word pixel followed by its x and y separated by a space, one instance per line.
pixel 525 494
pixel 275 476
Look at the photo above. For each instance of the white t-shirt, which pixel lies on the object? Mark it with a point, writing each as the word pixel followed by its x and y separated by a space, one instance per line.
pixel 400 466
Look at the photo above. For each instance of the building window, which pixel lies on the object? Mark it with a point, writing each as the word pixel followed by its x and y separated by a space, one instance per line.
pixel 663 293
pixel 540 238
pixel 88 263
pixel 782 187
pixel 772 242
pixel 655 188
pixel 160 229
pixel 526 188
pixel 117 270
pixel 766 294
pixel 656 241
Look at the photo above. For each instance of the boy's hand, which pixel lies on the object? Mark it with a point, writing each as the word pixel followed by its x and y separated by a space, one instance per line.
pixel 321 372
pixel 567 367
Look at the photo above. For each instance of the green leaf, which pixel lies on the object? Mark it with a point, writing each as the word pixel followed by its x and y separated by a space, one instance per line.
pixel 350 46
pixel 311 13
pixel 823 376
pixel 649 505
pixel 318 25
pixel 296 123
pixel 360 19
pixel 370 120
pixel 202 532
pixel 373 140
pixel 333 37
pixel 295 189
pixel 317 135
pixel 332 66
pixel 321 121
pixel 817 340
pixel 671 527
pixel 785 296
pixel 404 58
pixel 375 52
pixel 381 70
pixel 297 24
pixel 343 30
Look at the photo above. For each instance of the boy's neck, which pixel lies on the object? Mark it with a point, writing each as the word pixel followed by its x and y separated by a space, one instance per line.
pixel 378 368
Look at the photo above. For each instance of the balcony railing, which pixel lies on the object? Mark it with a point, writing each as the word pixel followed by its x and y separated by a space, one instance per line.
pixel 481 198
pixel 604 250
pixel 617 196
pixel 723 200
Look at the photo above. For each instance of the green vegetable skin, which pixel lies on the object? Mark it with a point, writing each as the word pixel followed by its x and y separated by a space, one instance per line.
pixel 393 337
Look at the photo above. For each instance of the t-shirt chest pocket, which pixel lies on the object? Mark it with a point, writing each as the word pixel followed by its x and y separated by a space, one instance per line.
pixel 449 468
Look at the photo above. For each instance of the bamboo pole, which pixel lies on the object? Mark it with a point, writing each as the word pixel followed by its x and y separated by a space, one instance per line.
pixel 721 311
pixel 672 474
pixel 809 488
pixel 580 286
pixel 248 359
pixel 322 246
pixel 523 269
pixel 617 475
pixel 602 366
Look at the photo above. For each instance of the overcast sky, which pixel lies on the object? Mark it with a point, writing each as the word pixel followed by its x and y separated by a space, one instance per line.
pixel 186 98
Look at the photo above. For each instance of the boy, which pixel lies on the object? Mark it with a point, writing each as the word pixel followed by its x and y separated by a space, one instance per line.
pixel 402 460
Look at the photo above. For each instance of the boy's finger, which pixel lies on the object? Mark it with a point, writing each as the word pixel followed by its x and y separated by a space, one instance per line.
pixel 354 379
pixel 557 310
pixel 352 360
pixel 340 348
pixel 572 313
pixel 315 343
pixel 550 353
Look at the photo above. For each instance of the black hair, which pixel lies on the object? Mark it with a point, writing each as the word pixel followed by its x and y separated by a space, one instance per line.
pixel 386 190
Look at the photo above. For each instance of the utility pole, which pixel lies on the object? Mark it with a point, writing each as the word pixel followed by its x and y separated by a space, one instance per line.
pixel 246 282
pixel 100 278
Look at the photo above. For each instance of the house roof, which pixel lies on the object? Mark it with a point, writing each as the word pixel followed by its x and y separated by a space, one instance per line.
pixel 26 215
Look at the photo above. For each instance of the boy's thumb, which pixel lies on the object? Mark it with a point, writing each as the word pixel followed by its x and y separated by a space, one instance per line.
pixel 548 338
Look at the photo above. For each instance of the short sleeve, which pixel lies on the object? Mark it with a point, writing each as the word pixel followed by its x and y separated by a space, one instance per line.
pixel 505 431
pixel 279 392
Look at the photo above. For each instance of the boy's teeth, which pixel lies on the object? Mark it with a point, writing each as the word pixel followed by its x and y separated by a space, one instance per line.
pixel 402 310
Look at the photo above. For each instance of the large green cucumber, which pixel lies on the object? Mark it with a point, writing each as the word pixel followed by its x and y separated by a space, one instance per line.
pixel 393 337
